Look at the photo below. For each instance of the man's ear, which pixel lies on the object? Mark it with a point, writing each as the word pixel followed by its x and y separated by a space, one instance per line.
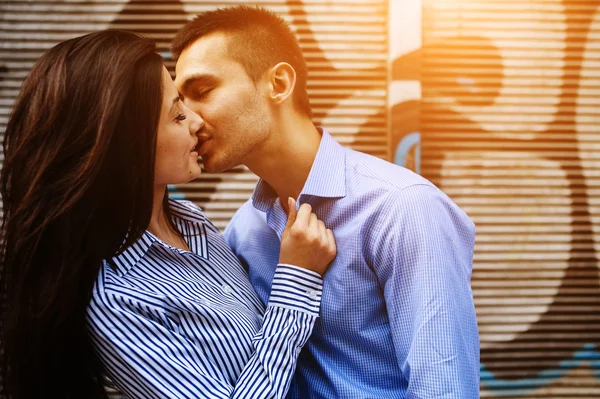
pixel 282 80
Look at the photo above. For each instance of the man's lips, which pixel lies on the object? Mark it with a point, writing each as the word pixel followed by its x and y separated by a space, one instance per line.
pixel 202 147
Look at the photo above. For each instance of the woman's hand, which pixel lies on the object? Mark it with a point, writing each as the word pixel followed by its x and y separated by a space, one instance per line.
pixel 306 242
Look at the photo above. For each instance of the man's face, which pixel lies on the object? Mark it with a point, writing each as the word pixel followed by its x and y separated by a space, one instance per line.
pixel 235 110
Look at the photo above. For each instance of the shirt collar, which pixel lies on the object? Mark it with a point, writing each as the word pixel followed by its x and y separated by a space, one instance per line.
pixel 132 254
pixel 327 177
pixel 136 251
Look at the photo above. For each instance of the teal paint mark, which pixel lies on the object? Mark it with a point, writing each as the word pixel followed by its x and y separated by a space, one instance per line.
pixel 174 194
pixel 587 355
pixel 404 147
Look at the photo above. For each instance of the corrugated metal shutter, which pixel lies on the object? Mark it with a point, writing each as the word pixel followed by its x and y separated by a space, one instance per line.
pixel 511 131
pixel 345 43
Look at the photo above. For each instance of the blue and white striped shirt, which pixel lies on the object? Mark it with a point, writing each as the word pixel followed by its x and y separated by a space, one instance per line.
pixel 169 323
pixel 397 318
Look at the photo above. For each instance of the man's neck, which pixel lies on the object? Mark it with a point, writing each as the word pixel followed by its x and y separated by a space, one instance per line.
pixel 286 160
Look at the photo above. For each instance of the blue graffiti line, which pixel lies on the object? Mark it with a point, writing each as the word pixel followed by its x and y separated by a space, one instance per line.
pixel 404 146
pixel 589 355
pixel 174 194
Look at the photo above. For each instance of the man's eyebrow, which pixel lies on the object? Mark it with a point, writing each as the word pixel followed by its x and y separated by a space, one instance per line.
pixel 198 79
pixel 175 101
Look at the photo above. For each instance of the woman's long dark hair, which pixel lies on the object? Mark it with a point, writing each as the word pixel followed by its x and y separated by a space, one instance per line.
pixel 77 187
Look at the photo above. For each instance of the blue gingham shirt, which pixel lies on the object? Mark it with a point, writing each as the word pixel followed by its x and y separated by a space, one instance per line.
pixel 397 315
pixel 169 323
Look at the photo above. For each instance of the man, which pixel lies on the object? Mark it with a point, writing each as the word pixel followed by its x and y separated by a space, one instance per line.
pixel 397 317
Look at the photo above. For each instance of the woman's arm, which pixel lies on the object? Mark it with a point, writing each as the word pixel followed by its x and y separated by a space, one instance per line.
pixel 146 359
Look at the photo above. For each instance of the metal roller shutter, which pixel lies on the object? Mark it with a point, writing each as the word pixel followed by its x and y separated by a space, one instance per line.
pixel 345 43
pixel 510 121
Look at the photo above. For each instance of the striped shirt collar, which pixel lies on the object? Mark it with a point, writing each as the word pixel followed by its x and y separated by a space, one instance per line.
pixel 327 177
pixel 132 255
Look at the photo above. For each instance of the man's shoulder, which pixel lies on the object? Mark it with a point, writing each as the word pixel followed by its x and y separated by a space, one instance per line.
pixel 393 188
pixel 247 217
pixel 248 212
pixel 367 172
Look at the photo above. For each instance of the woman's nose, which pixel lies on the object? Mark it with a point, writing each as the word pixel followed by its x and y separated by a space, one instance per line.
pixel 196 122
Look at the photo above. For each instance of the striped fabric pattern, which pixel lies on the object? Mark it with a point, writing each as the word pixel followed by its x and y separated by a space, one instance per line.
pixel 397 318
pixel 169 323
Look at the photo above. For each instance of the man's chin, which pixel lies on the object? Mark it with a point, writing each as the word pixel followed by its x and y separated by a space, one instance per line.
pixel 213 166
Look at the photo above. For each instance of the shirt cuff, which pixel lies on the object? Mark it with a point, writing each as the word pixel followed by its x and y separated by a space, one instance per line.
pixel 296 288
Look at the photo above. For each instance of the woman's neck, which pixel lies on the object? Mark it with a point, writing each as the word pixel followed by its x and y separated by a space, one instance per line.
pixel 159 225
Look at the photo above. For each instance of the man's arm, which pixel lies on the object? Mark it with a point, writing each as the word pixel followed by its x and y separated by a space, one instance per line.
pixel 422 253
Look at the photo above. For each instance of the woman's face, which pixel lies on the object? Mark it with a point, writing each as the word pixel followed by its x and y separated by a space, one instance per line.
pixel 176 155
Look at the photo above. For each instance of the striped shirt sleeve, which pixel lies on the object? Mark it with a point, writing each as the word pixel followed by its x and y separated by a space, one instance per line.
pixel 289 320
pixel 146 359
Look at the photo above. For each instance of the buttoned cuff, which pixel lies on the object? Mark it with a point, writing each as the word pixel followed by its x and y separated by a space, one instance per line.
pixel 296 288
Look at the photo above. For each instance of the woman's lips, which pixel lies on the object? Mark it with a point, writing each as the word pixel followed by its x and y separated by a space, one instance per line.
pixel 202 147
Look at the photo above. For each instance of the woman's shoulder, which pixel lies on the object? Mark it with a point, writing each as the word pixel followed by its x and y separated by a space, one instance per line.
pixel 113 290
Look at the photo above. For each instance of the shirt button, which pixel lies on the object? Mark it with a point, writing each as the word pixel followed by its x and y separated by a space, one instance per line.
pixel 202 301
pixel 227 289
pixel 313 294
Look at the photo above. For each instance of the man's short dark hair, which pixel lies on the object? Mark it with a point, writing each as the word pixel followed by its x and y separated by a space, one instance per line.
pixel 258 39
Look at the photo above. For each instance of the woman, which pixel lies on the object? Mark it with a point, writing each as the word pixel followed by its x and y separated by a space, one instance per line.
pixel 103 274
